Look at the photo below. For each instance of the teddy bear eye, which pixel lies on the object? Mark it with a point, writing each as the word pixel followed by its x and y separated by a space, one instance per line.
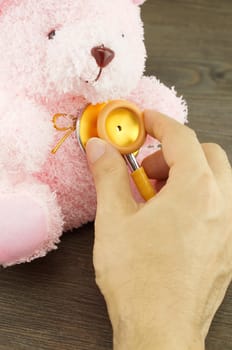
pixel 51 34
pixel 123 35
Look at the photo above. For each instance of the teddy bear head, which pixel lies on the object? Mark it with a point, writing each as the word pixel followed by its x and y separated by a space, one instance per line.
pixel 92 48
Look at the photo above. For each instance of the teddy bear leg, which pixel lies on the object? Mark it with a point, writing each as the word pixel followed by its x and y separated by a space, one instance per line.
pixel 30 225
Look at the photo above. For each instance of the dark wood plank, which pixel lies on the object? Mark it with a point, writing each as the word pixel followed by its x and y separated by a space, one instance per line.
pixel 189 46
pixel 53 303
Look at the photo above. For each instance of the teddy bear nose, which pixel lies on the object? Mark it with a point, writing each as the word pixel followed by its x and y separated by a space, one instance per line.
pixel 103 55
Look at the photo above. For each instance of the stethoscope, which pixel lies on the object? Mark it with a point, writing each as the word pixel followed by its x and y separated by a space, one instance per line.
pixel 121 124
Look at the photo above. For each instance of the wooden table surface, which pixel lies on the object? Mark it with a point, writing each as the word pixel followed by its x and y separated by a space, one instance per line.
pixel 53 303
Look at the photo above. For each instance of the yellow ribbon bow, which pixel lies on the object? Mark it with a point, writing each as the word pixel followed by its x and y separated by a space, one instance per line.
pixel 69 128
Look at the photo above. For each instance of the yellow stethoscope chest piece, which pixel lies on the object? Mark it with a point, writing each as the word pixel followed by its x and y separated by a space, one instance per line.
pixel 87 127
pixel 122 127
pixel 118 122
pixel 121 124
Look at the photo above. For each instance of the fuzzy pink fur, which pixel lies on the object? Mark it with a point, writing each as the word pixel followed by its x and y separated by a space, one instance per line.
pixel 46 194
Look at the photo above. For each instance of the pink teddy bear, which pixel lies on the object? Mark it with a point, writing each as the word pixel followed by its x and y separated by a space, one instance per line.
pixel 57 57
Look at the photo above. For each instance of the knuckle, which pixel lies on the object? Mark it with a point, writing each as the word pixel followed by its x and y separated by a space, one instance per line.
pixel 217 155
pixel 208 194
pixel 207 180
pixel 214 148
pixel 209 187
pixel 100 279
pixel 183 130
pixel 203 182
pixel 191 133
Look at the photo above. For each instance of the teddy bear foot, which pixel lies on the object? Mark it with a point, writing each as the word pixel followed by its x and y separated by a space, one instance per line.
pixel 23 229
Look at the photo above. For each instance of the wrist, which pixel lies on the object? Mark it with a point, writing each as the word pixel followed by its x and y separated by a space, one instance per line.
pixel 141 323
pixel 152 339
pixel 139 334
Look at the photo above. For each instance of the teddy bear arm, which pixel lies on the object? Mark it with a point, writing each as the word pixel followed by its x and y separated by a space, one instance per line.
pixel 26 135
pixel 152 94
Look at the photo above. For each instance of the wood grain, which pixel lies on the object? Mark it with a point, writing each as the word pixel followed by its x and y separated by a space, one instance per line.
pixel 53 303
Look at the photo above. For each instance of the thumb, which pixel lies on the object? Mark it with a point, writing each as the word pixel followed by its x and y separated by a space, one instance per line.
pixel 110 176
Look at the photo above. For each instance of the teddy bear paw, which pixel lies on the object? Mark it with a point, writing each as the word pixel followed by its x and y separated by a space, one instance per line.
pixel 23 229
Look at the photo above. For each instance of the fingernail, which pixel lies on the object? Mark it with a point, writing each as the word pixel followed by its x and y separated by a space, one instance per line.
pixel 95 149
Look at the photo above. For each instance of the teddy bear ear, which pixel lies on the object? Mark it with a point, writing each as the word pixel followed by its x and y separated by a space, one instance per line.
pixel 138 2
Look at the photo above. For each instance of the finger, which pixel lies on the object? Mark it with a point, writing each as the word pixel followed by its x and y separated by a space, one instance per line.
pixel 181 148
pixel 156 166
pixel 219 164
pixel 111 178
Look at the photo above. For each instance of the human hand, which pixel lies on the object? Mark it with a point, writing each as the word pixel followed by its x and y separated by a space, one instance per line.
pixel 163 266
